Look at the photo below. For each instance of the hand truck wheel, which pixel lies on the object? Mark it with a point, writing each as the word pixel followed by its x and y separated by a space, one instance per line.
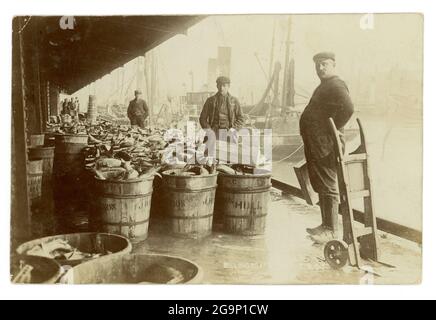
pixel 336 254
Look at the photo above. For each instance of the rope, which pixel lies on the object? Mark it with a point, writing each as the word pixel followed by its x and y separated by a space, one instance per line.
pixel 291 155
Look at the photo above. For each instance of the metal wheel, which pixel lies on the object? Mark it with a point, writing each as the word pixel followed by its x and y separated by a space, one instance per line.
pixel 336 254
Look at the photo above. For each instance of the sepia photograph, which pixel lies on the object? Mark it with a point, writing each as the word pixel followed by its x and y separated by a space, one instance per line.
pixel 244 149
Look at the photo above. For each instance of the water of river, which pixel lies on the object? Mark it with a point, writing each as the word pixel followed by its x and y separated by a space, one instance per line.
pixel 395 150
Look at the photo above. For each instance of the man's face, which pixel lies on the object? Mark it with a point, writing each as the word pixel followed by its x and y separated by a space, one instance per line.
pixel 138 96
pixel 223 88
pixel 325 68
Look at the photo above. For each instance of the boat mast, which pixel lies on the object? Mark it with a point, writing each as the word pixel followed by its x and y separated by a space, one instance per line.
pixel 288 76
pixel 271 59
pixel 274 79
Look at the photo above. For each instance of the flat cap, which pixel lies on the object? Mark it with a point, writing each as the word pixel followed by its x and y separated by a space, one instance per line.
pixel 324 56
pixel 138 92
pixel 223 80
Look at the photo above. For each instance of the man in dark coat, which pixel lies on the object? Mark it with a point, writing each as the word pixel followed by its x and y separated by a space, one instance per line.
pixel 222 111
pixel 330 100
pixel 138 110
pixel 65 108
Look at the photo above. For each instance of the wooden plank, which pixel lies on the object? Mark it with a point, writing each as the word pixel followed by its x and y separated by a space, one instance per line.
pixel 392 228
pixel 355 157
pixel 363 231
pixel 359 194
pixel 382 224
pixel 286 188
pixel 40 123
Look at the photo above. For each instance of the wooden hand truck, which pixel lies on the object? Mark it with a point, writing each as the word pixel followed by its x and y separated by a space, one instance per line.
pixel 354 183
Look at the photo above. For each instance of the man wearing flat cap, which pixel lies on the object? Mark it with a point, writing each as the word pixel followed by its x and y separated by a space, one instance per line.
pixel 222 111
pixel 331 99
pixel 138 110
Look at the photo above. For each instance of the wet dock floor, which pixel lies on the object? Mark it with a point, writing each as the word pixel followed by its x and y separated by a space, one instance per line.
pixel 284 255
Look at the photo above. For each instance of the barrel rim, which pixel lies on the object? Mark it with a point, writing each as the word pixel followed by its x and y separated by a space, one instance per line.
pixel 196 279
pixel 20 249
pixel 81 135
pixel 184 190
pixel 41 148
pixel 165 173
pixel 247 190
pixel 125 224
pixel 124 181
pixel 243 176
pixel 105 195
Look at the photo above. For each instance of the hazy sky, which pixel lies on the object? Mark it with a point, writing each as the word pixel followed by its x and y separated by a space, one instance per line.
pixel 363 56
pixel 382 67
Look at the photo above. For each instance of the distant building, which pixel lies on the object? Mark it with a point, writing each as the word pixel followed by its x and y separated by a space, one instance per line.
pixel 220 66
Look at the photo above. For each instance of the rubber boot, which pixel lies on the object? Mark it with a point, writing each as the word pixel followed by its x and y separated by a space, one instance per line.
pixel 331 215
pixel 321 205
pixel 318 230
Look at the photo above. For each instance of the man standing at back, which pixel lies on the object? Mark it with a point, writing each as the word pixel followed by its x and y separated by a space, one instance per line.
pixel 222 112
pixel 330 100
pixel 138 110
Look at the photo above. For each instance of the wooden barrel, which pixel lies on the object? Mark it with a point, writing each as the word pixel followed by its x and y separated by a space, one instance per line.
pixel 136 269
pixel 157 200
pixel 68 168
pixel 92 110
pixel 50 138
pixel 34 178
pixel 124 207
pixel 47 156
pixel 37 140
pixel 68 154
pixel 189 203
pixel 88 242
pixel 243 201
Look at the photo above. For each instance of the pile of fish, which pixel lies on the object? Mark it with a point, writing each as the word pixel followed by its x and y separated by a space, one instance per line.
pixel 124 153
pixel 61 250
pixel 239 169
pixel 193 170
pixel 66 125
pixel 121 152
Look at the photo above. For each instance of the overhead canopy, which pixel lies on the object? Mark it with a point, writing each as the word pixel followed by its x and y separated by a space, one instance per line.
pixel 98 45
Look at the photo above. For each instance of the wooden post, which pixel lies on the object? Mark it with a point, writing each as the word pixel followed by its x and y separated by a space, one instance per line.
pixel 271 59
pixel 53 92
pixel 286 72
pixel 47 96
pixel 20 217
pixel 36 77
